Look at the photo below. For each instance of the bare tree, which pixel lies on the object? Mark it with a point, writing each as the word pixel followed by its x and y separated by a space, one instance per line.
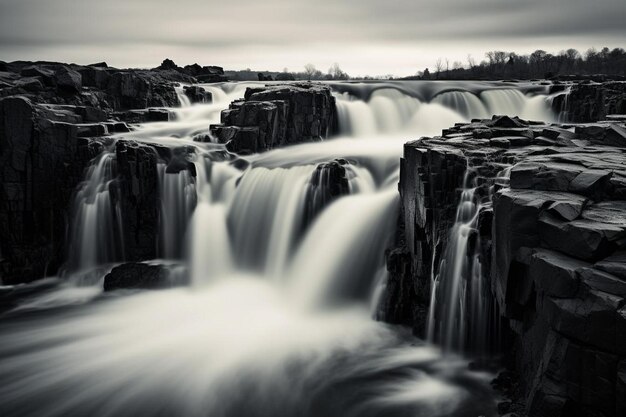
pixel 310 70
pixel 438 67
pixel 471 61
pixel 336 73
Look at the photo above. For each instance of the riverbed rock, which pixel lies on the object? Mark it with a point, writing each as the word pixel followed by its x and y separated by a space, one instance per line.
pixel 198 94
pixel 139 196
pixel 329 181
pixel 277 115
pixel 137 275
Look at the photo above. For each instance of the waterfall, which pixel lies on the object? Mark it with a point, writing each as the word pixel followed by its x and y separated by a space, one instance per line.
pixel 386 111
pixel 265 215
pixel 285 255
pixel 354 232
pixel 460 315
pixel 504 101
pixel 182 97
pixel 466 103
pixel 97 227
pixel 356 117
pixel 209 249
pixel 178 201
pixel 389 111
pixel 559 102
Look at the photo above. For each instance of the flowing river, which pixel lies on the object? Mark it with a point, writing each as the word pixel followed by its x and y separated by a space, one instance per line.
pixel 278 318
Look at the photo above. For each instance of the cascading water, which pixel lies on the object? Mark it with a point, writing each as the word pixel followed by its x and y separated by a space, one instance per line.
pixel 182 97
pixel 466 103
pixel 284 252
pixel 97 227
pixel 178 201
pixel 461 315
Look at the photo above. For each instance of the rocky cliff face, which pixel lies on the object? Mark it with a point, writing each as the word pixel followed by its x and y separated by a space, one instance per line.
pixel 277 115
pixel 589 102
pixel 554 238
pixel 42 154
pixel 54 119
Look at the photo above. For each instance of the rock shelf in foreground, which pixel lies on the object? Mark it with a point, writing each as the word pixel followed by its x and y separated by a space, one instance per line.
pixel 553 243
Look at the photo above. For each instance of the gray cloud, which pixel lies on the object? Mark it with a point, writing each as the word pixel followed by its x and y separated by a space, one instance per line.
pixel 135 32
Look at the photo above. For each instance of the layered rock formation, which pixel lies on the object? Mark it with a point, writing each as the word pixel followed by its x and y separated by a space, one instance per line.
pixel 589 102
pixel 553 245
pixel 277 115
pixel 54 119
pixel 94 86
pixel 43 155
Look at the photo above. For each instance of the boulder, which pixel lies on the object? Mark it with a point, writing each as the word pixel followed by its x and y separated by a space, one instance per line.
pixel 198 94
pixel 68 80
pixel 329 181
pixel 135 275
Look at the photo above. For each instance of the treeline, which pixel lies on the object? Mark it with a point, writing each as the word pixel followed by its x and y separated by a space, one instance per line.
pixel 310 73
pixel 540 64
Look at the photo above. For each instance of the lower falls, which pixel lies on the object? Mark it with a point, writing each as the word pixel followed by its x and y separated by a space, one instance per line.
pixel 274 271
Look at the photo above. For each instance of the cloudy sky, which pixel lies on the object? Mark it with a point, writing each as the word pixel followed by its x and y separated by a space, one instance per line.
pixel 364 36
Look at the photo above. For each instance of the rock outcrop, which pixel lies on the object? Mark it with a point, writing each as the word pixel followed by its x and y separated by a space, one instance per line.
pixel 198 94
pixel 553 242
pixel 590 102
pixel 95 86
pixel 204 74
pixel 277 115
pixel 43 153
pixel 329 181
pixel 54 119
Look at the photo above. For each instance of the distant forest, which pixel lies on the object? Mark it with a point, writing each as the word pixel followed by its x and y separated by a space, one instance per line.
pixel 497 65
pixel 540 64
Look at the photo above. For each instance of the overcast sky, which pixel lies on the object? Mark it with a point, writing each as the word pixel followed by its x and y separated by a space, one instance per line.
pixel 364 36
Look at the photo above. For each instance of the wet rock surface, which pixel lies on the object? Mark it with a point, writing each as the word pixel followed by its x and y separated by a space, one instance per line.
pixel 54 119
pixel 149 276
pixel 556 238
pixel 277 115
pixel 43 156
pixel 592 101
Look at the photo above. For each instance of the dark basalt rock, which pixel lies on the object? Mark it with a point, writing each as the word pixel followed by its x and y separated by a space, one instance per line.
pixel 198 94
pixel 68 80
pixel 42 157
pixel 277 115
pixel 138 194
pixel 97 85
pixel 329 181
pixel 556 243
pixel 593 101
pixel 54 119
pixel 143 276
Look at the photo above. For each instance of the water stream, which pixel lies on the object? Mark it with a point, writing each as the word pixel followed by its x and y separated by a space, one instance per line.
pixel 285 267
